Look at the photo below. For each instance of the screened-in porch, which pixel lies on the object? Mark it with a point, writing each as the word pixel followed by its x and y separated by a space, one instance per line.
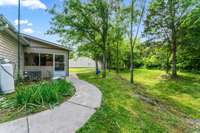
pixel 45 65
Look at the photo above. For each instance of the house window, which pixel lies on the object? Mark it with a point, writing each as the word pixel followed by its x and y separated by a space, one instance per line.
pixel 31 59
pixel 59 63
pixel 46 60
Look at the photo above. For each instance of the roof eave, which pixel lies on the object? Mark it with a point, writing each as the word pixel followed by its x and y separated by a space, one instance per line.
pixel 44 41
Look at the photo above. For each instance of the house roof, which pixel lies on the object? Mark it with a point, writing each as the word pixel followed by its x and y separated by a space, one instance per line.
pixel 10 29
pixel 45 41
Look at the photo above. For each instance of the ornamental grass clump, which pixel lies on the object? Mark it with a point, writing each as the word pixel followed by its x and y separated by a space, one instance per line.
pixel 44 94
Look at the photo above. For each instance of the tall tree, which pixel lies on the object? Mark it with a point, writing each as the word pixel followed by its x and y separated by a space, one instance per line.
pixel 134 18
pixel 131 42
pixel 163 22
pixel 118 30
pixel 84 22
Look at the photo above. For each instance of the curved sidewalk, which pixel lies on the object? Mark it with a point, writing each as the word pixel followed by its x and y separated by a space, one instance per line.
pixel 66 118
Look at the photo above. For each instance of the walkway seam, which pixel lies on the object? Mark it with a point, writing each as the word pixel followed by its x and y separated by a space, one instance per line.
pixel 27 122
pixel 81 105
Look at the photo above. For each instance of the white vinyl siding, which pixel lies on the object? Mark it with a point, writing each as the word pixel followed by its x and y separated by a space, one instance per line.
pixel 8 50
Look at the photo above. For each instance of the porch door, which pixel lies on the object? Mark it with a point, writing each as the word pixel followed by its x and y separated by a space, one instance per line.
pixel 59 65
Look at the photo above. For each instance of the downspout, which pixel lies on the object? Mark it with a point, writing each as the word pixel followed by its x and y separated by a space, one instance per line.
pixel 18 41
pixel 68 63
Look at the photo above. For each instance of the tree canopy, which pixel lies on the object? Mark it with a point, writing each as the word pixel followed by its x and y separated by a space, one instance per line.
pixel 107 31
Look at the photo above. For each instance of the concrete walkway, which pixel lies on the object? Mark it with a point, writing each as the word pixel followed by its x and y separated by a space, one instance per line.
pixel 66 118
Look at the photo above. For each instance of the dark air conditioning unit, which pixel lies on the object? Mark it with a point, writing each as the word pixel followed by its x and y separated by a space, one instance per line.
pixel 33 75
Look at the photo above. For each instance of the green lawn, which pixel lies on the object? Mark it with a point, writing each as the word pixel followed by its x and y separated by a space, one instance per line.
pixel 152 105
pixel 81 70
pixel 183 92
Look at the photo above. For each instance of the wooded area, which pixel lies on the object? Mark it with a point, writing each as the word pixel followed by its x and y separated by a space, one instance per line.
pixel 162 34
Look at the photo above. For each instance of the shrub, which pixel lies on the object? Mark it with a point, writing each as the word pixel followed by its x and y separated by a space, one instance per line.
pixel 44 94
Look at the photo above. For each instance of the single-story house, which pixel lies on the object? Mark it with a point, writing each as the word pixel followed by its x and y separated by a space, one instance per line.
pixel 37 56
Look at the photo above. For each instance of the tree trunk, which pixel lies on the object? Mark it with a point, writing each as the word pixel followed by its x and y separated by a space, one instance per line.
pixel 131 43
pixel 104 40
pixel 173 29
pixel 167 60
pixel 167 66
pixel 104 65
pixel 108 60
pixel 104 57
pixel 117 57
pixel 131 66
pixel 174 73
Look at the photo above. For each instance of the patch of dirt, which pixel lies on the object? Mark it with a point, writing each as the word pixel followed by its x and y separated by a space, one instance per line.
pixel 193 123
pixel 146 99
pixel 165 77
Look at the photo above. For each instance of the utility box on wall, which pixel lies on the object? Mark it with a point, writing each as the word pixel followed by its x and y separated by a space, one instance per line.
pixel 7 84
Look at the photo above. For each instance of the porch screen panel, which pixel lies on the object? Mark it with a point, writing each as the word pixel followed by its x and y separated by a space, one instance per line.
pixel 31 59
pixel 46 59
pixel 59 63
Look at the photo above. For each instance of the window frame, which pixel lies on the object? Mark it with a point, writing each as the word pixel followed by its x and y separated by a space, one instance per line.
pixel 63 63
pixel 40 57
pixel 25 62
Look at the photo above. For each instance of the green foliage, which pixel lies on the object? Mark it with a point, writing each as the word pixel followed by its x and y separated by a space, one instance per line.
pixel 43 94
pixel 163 23
pixel 101 30
pixel 91 51
pixel 34 98
pixel 159 21
pixel 87 22
pixel 124 55
pixel 188 55
pixel 156 56
pixel 188 51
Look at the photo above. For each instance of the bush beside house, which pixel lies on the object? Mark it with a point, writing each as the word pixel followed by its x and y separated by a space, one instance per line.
pixel 33 98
